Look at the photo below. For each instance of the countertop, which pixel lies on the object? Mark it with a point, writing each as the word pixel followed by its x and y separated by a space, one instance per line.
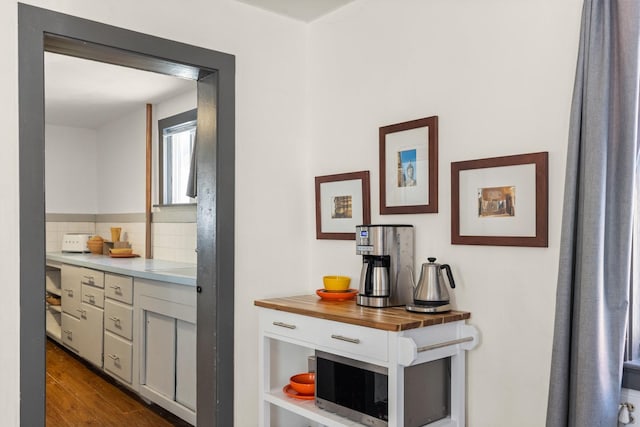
pixel 153 269
pixel 389 319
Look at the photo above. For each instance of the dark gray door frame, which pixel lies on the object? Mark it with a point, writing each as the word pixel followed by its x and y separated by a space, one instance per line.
pixel 41 30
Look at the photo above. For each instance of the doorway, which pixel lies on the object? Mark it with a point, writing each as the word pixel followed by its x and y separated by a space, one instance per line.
pixel 42 30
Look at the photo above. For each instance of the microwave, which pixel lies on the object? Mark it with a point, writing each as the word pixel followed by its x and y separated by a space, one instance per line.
pixel 359 391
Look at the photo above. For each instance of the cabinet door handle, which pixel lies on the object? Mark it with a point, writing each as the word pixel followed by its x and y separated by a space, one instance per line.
pixel 347 339
pixel 284 325
pixel 115 320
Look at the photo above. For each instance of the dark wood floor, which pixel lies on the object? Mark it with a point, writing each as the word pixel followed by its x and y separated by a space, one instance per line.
pixel 78 395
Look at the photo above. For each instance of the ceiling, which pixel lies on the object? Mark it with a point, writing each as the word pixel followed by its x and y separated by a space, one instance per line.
pixel 89 94
pixel 302 10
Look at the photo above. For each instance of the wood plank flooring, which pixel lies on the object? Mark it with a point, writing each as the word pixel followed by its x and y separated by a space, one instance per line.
pixel 79 395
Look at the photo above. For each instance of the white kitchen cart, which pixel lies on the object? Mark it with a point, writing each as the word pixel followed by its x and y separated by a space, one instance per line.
pixel 292 328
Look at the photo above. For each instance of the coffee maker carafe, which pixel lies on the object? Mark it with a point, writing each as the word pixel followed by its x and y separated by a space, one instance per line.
pixel 387 263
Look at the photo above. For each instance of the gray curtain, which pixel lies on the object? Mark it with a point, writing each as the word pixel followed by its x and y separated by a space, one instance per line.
pixel 192 183
pixel 595 253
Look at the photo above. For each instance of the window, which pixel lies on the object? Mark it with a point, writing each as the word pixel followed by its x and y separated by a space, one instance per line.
pixel 177 136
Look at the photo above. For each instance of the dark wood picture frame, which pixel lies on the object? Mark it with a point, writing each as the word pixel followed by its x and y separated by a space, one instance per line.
pixel 431 205
pixel 363 176
pixel 540 160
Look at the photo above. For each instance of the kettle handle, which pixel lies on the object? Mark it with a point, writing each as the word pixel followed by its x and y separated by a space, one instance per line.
pixel 449 274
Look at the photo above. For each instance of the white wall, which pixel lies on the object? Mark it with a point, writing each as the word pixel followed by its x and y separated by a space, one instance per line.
pixel 70 169
pixel 499 75
pixel 272 214
pixel 9 218
pixel 121 164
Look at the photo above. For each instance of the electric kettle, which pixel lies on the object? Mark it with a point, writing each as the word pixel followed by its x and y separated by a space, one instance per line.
pixel 430 294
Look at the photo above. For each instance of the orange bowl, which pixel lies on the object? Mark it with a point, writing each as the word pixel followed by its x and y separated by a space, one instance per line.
pixel 304 383
pixel 336 283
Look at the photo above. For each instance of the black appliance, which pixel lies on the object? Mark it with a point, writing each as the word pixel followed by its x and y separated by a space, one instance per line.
pixel 359 391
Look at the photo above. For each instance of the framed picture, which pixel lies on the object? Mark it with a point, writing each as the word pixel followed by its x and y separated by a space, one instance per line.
pixel 409 167
pixel 342 202
pixel 500 201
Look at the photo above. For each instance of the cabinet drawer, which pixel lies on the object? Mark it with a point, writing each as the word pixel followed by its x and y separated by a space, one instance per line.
pixel 119 288
pixel 118 355
pixel 329 335
pixel 93 296
pixel 70 331
pixel 353 339
pixel 71 289
pixel 92 277
pixel 118 318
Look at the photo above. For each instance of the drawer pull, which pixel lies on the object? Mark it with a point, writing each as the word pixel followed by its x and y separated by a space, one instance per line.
pixel 117 289
pixel 284 325
pixel 347 339
pixel 83 313
pixel 113 356
pixel 444 344
pixel 92 298
pixel 69 292
pixel 68 332
pixel 115 320
pixel 90 280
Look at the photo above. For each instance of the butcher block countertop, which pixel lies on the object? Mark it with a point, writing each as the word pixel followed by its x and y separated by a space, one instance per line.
pixel 388 319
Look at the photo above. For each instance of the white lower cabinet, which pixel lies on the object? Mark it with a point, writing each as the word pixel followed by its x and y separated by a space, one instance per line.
pixel 160 334
pixel 167 358
pixel 120 340
pixel 118 356
pixel 70 331
pixel 82 313
pixel 141 332
pixel 91 327
pixel 185 362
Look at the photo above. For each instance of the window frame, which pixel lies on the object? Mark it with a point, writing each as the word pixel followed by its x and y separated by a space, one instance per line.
pixel 169 122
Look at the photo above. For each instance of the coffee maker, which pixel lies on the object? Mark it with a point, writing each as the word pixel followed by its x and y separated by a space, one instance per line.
pixel 387 265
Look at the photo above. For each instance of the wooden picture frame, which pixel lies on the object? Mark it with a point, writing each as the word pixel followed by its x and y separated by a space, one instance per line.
pixel 500 201
pixel 409 167
pixel 342 203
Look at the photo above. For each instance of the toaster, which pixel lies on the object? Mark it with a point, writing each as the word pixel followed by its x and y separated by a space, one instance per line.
pixel 75 242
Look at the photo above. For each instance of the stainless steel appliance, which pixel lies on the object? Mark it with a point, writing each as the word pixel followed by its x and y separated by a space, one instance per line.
pixel 359 391
pixel 387 265
pixel 75 242
pixel 430 294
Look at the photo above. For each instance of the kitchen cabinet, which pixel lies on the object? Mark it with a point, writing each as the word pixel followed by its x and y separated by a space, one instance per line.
pixel 160 334
pixel 91 326
pixel 53 292
pixel 291 329
pixel 136 320
pixel 119 339
pixel 82 313
pixel 167 357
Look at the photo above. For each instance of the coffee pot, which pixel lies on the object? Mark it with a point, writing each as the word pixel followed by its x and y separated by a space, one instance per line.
pixel 430 294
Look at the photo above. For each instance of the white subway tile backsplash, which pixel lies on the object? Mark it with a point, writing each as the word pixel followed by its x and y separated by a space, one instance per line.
pixel 56 230
pixel 170 241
